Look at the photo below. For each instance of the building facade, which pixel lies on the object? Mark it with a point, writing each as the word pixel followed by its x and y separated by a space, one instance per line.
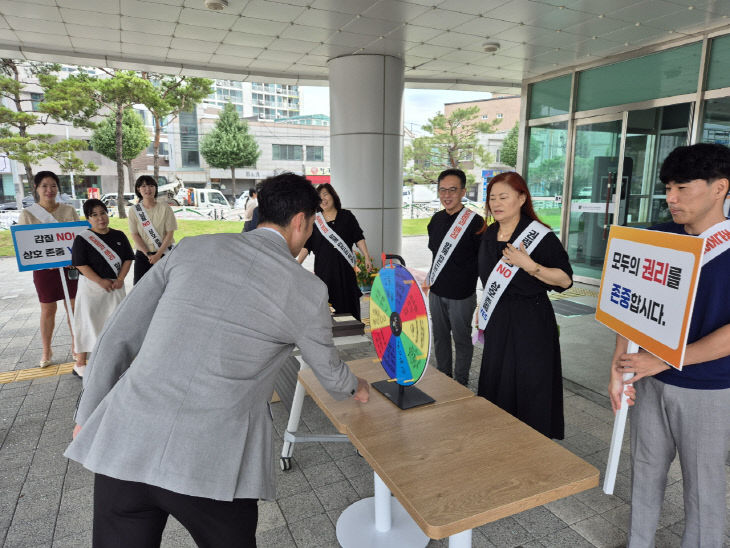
pixel 593 138
pixel 505 108
pixel 263 101
pixel 288 142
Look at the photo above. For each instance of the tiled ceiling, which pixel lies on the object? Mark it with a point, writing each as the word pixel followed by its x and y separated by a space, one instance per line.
pixel 441 41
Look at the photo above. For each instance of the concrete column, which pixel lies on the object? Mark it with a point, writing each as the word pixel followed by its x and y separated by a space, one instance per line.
pixel 366 144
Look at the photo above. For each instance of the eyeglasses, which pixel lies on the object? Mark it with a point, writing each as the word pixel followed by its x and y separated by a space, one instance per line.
pixel 451 190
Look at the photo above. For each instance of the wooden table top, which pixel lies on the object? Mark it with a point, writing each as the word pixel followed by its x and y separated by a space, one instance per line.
pixel 462 464
pixel 434 383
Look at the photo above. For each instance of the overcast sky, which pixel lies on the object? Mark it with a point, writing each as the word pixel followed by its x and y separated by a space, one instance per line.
pixel 419 104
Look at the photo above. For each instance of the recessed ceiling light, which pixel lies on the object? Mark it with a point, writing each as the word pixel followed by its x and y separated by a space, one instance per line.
pixel 637 24
pixel 490 47
pixel 216 5
pixel 601 16
pixel 690 8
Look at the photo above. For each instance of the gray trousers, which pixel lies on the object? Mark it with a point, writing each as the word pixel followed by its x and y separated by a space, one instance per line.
pixel 453 317
pixel 695 423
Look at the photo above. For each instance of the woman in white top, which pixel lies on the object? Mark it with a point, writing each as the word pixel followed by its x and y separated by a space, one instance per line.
pixel 151 224
pixel 48 282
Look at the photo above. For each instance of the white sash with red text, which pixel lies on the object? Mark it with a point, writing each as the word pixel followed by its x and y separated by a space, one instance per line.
pixel 449 243
pixel 41 214
pixel 147 225
pixel 717 240
pixel 334 238
pixel 105 251
pixel 502 273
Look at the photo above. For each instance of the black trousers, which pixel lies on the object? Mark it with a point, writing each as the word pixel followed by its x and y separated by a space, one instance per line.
pixel 141 266
pixel 130 514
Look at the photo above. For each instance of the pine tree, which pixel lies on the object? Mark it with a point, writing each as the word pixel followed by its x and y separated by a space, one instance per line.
pixel 451 141
pixel 19 138
pixel 230 145
pixel 172 95
pixel 134 139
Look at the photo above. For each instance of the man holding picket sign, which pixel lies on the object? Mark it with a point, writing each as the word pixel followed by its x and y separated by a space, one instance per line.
pixel 454 234
pixel 686 411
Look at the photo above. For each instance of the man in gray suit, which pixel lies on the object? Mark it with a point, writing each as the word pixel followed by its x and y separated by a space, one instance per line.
pixel 174 416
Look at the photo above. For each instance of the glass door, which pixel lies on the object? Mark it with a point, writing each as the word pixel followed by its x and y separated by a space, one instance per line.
pixel 650 136
pixel 595 171
pixel 546 171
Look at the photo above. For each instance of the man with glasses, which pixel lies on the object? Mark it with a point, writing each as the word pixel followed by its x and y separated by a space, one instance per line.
pixel 454 234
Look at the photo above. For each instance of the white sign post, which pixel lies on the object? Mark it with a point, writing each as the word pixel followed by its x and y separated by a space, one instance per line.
pixel 647 293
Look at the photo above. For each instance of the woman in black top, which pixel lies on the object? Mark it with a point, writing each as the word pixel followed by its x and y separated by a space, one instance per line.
pixel 329 264
pixel 521 369
pixel 101 287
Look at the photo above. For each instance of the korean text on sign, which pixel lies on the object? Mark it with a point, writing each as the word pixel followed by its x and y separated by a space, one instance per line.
pixel 45 245
pixel 647 288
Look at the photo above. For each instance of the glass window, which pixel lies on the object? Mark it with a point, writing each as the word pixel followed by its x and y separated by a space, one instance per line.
pixel 315 154
pixel 217 199
pixel 546 170
pixel 286 152
pixel 499 115
pixel 716 121
pixel 189 139
pixel 662 74
pixel 718 72
pixel 35 101
pixel 550 97
pixel 164 149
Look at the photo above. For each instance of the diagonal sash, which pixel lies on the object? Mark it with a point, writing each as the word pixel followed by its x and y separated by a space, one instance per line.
pixel 41 214
pixel 104 250
pixel 147 225
pixel 334 238
pixel 449 243
pixel 717 240
pixel 502 273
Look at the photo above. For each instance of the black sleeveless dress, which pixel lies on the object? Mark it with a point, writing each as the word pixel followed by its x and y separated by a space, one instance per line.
pixel 332 268
pixel 521 369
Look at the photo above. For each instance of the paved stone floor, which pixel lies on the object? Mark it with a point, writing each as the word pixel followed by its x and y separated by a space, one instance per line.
pixel 46 500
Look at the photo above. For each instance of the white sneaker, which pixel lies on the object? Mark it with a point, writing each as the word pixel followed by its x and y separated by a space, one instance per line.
pixel 78 370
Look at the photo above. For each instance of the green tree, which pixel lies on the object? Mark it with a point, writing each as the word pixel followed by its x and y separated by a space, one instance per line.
pixel 230 145
pixel 134 139
pixel 19 138
pixel 510 146
pixel 451 141
pixel 508 151
pixel 172 95
pixel 81 98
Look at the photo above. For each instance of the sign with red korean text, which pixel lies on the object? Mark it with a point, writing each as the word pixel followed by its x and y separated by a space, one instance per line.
pixel 45 245
pixel 648 287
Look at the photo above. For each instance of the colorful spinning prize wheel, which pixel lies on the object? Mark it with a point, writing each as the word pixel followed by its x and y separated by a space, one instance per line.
pixel 400 326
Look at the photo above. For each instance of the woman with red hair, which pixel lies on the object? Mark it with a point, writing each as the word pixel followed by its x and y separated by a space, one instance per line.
pixel 520 260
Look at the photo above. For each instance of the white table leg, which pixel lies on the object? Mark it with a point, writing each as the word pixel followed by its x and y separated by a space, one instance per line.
pixel 460 540
pixel 382 505
pixel 379 521
pixel 295 414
